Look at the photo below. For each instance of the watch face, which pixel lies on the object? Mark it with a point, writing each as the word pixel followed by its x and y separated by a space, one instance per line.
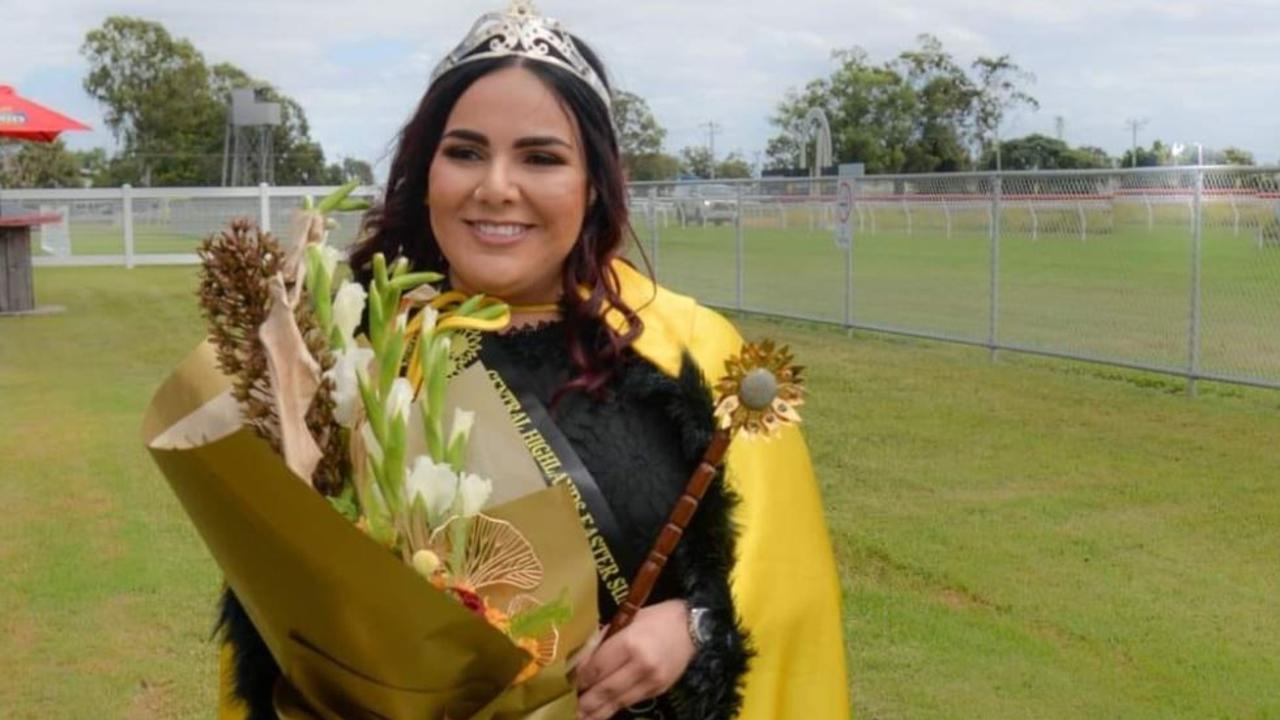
pixel 701 624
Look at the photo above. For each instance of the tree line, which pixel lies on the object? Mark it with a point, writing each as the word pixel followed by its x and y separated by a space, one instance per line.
pixel 921 111
pixel 166 108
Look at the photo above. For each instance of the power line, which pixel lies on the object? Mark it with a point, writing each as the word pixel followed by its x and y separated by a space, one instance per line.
pixel 1136 124
pixel 712 127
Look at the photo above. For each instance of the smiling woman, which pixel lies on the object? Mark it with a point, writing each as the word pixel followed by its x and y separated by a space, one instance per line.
pixel 507 189
pixel 508 179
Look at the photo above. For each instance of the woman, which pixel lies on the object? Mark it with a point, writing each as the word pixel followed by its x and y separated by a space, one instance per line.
pixel 508 178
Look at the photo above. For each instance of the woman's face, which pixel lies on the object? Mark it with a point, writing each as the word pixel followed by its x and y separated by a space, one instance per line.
pixel 508 188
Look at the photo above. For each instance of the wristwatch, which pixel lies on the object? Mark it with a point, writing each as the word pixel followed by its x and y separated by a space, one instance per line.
pixel 699 626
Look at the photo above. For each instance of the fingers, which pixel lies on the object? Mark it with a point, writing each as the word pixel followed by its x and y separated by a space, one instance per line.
pixel 614 692
pixel 604 661
pixel 627 669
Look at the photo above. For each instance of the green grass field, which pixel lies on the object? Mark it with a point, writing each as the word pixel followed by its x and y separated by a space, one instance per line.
pixel 1020 539
pixel 1123 295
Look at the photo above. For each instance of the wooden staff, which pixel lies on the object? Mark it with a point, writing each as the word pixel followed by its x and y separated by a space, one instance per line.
pixel 671 533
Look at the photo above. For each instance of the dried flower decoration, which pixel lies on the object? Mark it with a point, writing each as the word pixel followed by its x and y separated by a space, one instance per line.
pixel 761 390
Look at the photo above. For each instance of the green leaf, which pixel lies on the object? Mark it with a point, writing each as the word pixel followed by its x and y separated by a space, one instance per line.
pixel 540 620
pixel 345 504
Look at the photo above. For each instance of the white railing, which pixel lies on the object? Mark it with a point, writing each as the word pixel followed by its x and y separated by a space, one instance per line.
pixel 1172 270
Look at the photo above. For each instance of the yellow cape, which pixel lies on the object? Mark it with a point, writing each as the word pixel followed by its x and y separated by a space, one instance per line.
pixel 785 583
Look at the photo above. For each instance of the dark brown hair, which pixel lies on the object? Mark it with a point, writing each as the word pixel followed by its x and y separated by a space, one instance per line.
pixel 400 227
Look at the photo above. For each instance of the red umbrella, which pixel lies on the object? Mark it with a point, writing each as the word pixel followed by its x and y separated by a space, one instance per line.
pixel 25 120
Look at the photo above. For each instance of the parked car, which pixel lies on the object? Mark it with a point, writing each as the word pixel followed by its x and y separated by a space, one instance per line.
pixel 701 204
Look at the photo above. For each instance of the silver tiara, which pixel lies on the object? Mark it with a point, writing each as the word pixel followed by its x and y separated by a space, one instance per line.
pixel 522 31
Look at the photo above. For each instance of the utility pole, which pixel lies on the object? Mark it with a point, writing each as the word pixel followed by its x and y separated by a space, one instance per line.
pixel 1135 124
pixel 712 127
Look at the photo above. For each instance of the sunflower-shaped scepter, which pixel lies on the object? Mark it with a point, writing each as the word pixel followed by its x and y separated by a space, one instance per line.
pixel 757 397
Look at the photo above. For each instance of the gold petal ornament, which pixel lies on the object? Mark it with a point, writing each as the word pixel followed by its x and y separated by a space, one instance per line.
pixel 497 554
pixel 760 391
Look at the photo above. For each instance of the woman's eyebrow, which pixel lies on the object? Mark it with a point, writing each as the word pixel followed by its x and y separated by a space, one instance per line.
pixel 469 136
pixel 541 140
pixel 524 142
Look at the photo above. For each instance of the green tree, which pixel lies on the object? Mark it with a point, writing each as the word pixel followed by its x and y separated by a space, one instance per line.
pixel 696 160
pixel 1158 154
pixel 39 165
pixel 655 166
pixel 733 166
pixel 920 112
pixel 999 90
pixel 155 89
pixel 353 169
pixel 1040 152
pixel 168 109
pixel 1237 156
pixel 640 138
pixel 943 108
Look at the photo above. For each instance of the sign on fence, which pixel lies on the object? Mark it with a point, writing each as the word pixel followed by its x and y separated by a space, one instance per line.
pixel 55 237
pixel 844 202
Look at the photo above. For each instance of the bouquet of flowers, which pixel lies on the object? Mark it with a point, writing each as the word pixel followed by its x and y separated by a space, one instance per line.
pixel 365 493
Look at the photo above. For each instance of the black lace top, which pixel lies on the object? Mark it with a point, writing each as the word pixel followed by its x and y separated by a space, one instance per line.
pixel 640 442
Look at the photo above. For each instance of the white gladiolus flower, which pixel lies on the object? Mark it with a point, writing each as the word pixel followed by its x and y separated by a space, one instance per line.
pixel 462 422
pixel 436 484
pixel 348 306
pixel 329 257
pixel 351 363
pixel 429 317
pixel 398 399
pixel 475 493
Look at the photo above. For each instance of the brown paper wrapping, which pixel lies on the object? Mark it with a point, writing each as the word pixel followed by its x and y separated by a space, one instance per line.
pixel 357 633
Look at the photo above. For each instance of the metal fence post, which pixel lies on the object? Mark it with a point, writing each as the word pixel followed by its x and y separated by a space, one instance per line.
pixel 1193 340
pixel 848 264
pixel 993 327
pixel 737 231
pixel 264 207
pixel 653 231
pixel 127 210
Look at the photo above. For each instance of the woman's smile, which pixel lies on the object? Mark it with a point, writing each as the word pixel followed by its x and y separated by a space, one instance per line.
pixel 499 234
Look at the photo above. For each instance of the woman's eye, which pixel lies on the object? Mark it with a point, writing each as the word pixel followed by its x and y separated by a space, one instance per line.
pixel 461 152
pixel 545 159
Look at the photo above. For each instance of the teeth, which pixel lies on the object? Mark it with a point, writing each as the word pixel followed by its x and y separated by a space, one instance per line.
pixel 492 229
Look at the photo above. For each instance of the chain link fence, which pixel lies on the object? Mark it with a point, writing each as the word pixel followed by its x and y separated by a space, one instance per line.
pixel 1174 270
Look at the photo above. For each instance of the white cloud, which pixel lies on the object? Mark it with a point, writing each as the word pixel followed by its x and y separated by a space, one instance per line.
pixel 1187 64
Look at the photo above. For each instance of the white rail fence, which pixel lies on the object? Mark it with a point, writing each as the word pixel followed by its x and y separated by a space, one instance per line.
pixel 1173 270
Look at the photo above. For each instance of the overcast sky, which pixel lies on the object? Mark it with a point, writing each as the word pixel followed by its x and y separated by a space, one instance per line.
pixel 1200 70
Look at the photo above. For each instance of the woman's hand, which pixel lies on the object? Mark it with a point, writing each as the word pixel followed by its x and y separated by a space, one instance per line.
pixel 642 661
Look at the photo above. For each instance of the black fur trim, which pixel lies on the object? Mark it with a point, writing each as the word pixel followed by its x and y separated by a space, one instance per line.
pixel 711 686
pixel 254 669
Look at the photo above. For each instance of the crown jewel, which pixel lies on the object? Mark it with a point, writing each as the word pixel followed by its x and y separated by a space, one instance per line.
pixel 522 31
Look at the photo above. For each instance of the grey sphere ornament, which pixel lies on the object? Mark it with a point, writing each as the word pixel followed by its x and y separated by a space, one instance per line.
pixel 759 389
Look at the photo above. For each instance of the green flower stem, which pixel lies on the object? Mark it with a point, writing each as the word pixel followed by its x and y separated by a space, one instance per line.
pixel 436 380
pixel 409 281
pixel 459 531
pixel 393 465
pixel 334 199
pixel 490 312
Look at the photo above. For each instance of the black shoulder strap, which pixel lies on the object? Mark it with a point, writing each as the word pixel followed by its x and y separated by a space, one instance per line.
pixel 561 465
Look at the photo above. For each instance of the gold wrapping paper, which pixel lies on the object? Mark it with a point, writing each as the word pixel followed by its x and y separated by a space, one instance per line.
pixel 357 633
